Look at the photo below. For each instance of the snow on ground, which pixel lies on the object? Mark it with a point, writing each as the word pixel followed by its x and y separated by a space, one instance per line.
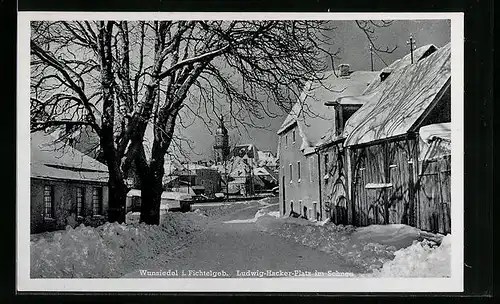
pixel 397 235
pixel 381 250
pixel 422 259
pixel 110 250
pixel 260 213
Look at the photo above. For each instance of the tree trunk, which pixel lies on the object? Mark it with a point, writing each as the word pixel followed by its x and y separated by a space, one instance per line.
pixel 116 183
pixel 117 200
pixel 151 190
pixel 151 177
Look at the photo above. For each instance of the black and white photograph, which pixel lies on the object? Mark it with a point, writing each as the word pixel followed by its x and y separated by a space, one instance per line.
pixel 240 152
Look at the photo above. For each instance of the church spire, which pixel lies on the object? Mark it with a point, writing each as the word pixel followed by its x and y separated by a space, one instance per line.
pixel 221 146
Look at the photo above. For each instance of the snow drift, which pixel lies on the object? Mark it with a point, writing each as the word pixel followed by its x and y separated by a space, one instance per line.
pixel 376 250
pixel 422 259
pixel 110 250
pixel 397 235
pixel 260 213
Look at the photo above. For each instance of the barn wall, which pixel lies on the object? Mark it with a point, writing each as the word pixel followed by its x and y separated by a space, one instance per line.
pixel 383 163
pixel 434 195
pixel 400 166
pixel 420 192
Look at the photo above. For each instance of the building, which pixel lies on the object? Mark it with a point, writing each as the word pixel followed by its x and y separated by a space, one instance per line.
pixel 67 187
pixel 397 146
pixel 246 151
pixel 334 165
pixel 304 128
pixel 265 178
pixel 269 160
pixel 191 178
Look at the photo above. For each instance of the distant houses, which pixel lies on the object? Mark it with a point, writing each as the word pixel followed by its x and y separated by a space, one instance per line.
pixel 67 187
pixel 191 178
pixel 378 156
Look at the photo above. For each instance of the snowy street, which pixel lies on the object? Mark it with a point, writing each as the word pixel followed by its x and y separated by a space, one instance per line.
pixel 246 239
pixel 238 247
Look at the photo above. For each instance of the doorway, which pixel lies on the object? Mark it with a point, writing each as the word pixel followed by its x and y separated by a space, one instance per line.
pixel 283 194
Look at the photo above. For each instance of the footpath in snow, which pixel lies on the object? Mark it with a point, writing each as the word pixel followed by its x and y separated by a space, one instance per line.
pixel 382 250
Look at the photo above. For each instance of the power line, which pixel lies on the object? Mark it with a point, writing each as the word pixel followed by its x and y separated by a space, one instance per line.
pixel 375 52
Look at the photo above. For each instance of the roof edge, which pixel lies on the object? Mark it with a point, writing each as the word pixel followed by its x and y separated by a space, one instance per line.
pixel 286 127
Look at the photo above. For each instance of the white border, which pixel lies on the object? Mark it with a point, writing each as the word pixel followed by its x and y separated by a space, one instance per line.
pixel 25 283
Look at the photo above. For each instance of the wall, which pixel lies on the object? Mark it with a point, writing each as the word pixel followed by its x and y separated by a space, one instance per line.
pixel 420 192
pixel 389 162
pixel 335 198
pixel 64 201
pixel 305 191
pixel 434 196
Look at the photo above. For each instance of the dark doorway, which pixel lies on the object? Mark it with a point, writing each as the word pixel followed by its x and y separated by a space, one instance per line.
pixel 283 194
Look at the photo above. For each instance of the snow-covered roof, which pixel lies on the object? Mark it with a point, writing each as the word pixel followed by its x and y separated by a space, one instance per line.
pixel 172 166
pixel 267 158
pixel 312 116
pixel 246 150
pixel 52 159
pixel 438 130
pixel 418 54
pixel 399 101
pixel 435 141
pixel 266 155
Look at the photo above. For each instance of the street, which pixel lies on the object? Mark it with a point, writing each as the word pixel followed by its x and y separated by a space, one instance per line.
pixel 243 246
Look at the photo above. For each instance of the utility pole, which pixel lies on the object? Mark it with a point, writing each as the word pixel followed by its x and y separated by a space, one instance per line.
pixel 411 43
pixel 371 56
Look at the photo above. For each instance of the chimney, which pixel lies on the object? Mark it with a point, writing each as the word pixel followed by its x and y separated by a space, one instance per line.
pixel 344 70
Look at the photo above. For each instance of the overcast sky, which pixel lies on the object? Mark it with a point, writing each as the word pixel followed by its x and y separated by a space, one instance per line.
pixel 353 51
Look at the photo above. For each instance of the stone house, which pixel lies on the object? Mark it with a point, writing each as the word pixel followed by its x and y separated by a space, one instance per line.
pixel 67 187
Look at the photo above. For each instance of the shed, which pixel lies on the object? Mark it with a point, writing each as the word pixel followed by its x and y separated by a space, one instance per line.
pixel 383 139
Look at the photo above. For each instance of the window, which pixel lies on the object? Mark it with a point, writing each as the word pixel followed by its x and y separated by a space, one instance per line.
pixel 300 207
pixel 298 172
pixel 291 206
pixel 97 201
pixel 291 173
pixel 48 202
pixel 326 163
pixel 311 159
pixel 286 140
pixel 384 75
pixel 293 136
pixel 80 199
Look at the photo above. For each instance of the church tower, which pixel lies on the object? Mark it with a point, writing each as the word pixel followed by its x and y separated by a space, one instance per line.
pixel 221 146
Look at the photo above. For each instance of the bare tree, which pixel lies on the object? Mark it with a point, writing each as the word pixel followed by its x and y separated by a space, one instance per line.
pixel 120 78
